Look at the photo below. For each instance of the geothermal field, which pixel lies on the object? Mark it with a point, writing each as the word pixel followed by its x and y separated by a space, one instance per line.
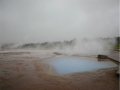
pixel 56 69
pixel 59 45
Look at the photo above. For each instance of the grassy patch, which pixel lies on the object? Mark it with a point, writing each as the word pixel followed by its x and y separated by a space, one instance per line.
pixel 117 47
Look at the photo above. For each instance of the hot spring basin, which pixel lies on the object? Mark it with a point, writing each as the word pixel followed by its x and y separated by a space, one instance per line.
pixel 68 65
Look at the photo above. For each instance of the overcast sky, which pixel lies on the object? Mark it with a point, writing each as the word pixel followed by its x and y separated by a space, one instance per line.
pixel 54 20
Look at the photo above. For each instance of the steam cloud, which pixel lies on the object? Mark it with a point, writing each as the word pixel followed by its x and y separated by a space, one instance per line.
pixel 36 21
pixel 26 21
pixel 83 46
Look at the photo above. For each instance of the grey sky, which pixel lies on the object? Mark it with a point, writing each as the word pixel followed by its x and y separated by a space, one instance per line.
pixel 53 20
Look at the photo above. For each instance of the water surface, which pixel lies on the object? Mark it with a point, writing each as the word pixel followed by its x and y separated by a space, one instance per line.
pixel 66 65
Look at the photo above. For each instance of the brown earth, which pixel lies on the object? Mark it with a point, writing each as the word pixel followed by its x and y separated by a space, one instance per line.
pixel 21 71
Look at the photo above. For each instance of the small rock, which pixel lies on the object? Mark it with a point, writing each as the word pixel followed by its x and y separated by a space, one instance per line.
pixel 57 53
pixel 102 56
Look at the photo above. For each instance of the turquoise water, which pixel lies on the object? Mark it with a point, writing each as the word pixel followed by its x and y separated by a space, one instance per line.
pixel 67 65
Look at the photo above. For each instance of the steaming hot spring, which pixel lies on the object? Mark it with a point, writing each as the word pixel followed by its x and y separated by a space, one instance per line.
pixel 66 65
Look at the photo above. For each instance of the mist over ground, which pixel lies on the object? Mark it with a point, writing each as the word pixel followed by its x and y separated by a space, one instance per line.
pixel 27 21
pixel 81 46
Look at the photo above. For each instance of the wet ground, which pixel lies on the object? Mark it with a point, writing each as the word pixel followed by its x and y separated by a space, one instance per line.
pixel 27 71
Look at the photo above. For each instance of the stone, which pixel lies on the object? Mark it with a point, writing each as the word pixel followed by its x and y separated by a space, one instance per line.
pixel 102 57
pixel 57 53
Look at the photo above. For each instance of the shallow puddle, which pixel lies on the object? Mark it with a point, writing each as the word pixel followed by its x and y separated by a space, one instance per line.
pixel 66 65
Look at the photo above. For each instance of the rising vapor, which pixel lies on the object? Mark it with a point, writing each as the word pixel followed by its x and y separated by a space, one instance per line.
pixel 39 21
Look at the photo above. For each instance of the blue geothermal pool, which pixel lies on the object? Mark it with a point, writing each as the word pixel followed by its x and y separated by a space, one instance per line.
pixel 66 65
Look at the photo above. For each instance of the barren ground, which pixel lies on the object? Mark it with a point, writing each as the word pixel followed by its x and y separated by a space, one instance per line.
pixel 26 71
